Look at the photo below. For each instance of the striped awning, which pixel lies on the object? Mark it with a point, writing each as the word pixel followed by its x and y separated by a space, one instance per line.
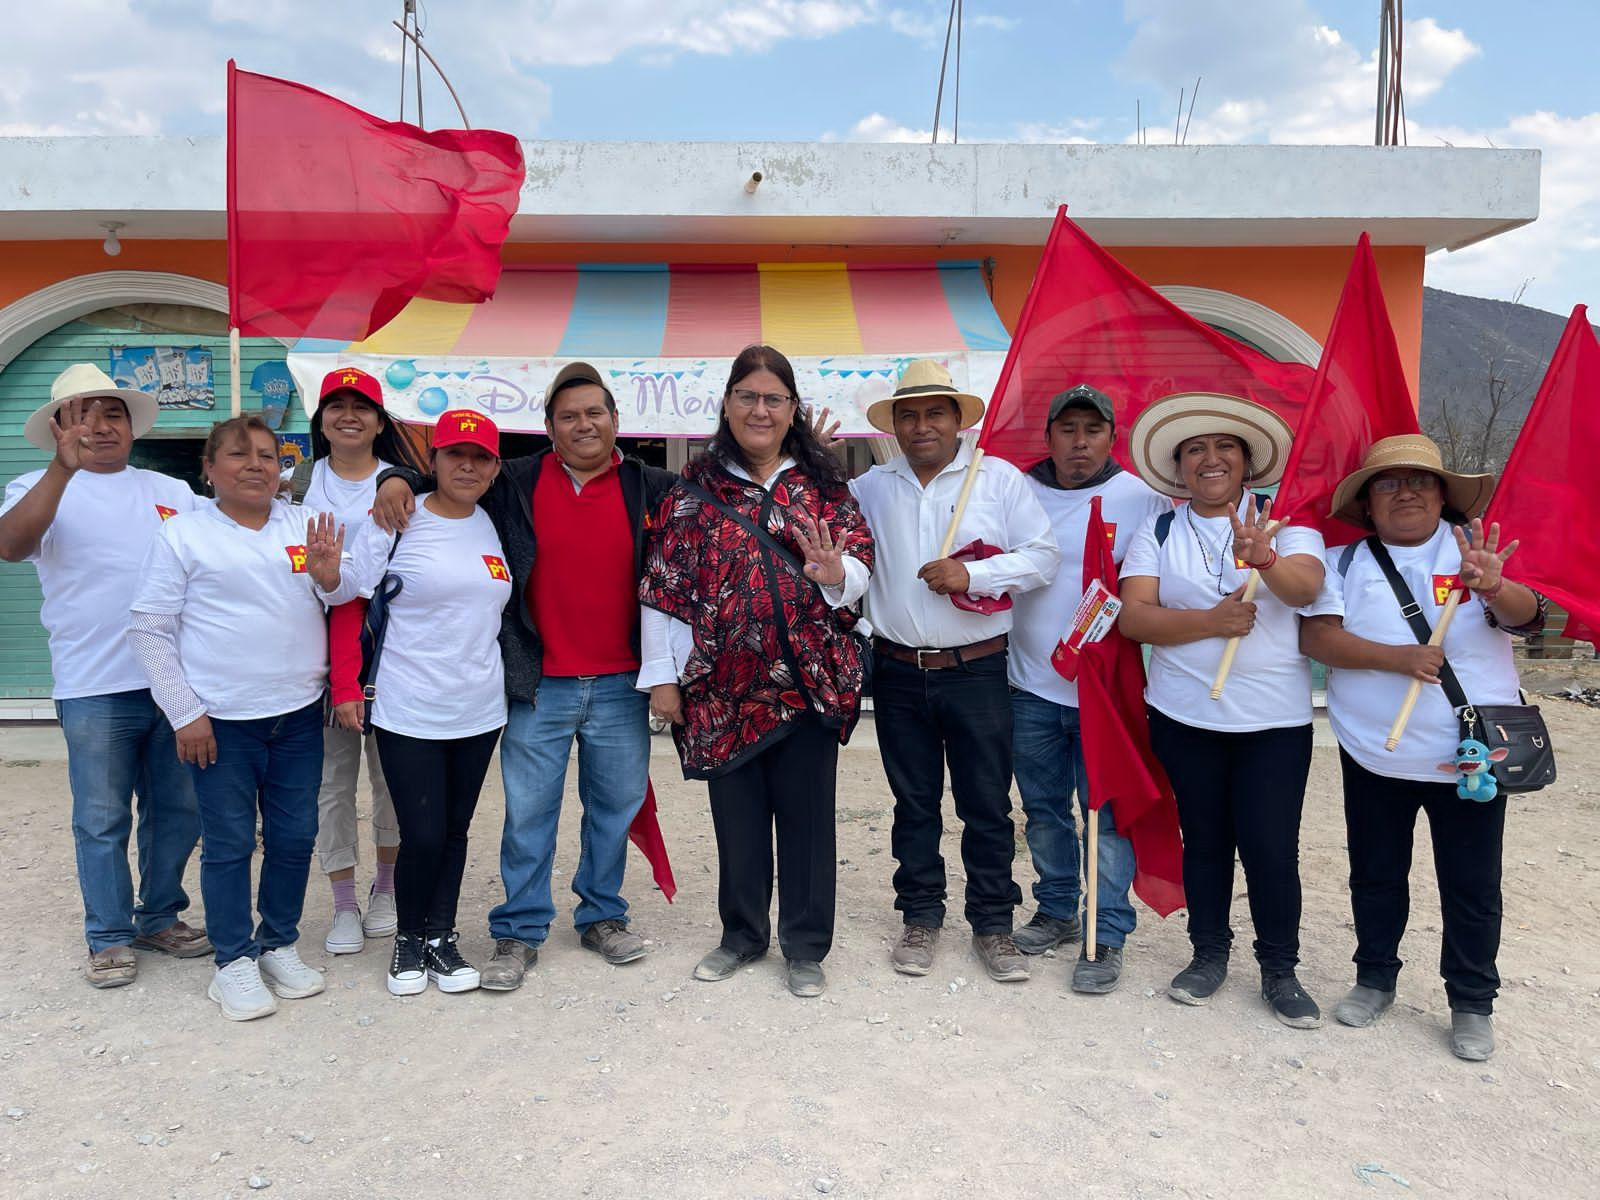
pixel 667 334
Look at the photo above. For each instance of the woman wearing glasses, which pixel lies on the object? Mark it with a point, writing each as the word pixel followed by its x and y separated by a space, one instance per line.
pixel 1419 513
pixel 1238 764
pixel 757 553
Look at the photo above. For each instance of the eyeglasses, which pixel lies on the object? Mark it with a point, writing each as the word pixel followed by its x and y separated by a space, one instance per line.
pixel 1390 484
pixel 745 400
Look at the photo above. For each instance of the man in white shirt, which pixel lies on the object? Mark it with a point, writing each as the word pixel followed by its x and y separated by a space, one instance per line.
pixel 85 522
pixel 1046 746
pixel 939 676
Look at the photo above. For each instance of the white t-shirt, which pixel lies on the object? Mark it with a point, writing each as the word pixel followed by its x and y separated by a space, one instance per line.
pixel 1270 684
pixel 440 675
pixel 1040 618
pixel 252 636
pixel 1362 705
pixel 349 500
pixel 88 563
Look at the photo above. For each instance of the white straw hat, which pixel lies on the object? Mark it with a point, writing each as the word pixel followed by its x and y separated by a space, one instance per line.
pixel 925 377
pixel 83 381
pixel 1161 428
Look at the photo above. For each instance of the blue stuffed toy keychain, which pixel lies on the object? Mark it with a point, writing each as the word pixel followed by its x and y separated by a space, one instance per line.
pixel 1477 781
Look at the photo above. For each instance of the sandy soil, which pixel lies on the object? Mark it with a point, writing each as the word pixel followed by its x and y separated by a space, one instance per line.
pixel 638 1081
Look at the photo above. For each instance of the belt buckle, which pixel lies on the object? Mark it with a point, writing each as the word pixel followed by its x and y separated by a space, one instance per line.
pixel 920 652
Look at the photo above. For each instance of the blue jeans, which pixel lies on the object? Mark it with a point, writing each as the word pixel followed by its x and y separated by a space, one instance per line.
pixel 117 745
pixel 611 721
pixel 278 761
pixel 1047 758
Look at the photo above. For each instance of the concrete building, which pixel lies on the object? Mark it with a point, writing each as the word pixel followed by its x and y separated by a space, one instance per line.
pixel 658 257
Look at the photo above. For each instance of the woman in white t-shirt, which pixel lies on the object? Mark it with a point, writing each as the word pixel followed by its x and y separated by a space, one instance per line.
pixel 229 628
pixel 1238 765
pixel 438 688
pixel 1419 513
pixel 352 440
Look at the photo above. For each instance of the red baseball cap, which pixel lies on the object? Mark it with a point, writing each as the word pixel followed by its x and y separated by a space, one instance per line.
pixel 351 379
pixel 465 426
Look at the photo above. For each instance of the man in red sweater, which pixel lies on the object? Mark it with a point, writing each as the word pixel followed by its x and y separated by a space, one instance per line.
pixel 571 520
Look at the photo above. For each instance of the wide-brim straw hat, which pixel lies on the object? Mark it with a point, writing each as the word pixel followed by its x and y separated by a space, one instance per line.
pixel 1161 428
pixel 925 377
pixel 1467 494
pixel 85 381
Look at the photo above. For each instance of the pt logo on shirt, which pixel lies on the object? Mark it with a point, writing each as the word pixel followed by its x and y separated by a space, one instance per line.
pixel 1443 585
pixel 165 513
pixel 497 567
pixel 297 559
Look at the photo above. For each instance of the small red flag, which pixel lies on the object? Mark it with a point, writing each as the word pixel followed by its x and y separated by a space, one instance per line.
pixel 1546 495
pixel 337 219
pixel 1122 768
pixel 1359 396
pixel 1088 319
pixel 645 833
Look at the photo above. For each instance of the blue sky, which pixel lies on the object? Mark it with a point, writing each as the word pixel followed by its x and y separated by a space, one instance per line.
pixel 1292 71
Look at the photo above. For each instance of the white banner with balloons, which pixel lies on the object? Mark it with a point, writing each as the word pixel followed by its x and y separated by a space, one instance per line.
pixel 657 397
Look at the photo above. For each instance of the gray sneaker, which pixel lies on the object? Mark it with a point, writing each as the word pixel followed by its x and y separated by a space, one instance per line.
pixel 1000 957
pixel 1045 932
pixel 913 953
pixel 806 978
pixel 1471 1036
pixel 1362 1006
pixel 1100 976
pixel 721 963
pixel 613 941
pixel 511 961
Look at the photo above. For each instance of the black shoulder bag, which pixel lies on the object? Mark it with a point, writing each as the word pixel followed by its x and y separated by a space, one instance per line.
pixel 765 538
pixel 1530 761
pixel 373 627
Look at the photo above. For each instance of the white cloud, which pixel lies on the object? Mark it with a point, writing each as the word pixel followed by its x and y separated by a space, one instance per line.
pixel 875 127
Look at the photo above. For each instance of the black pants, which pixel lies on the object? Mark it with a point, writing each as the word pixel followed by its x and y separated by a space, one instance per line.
pixel 1380 817
pixel 926 719
pixel 435 786
pixel 789 787
pixel 1244 792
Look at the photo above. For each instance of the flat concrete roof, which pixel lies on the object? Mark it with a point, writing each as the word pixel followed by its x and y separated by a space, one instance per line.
pixel 853 192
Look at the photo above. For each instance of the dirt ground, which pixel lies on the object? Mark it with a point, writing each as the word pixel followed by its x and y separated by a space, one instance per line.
pixel 637 1081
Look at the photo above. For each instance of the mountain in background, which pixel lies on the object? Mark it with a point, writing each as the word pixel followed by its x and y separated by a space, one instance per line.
pixel 1482 361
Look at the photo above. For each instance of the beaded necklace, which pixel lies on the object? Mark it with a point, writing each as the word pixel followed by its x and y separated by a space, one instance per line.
pixel 1205 556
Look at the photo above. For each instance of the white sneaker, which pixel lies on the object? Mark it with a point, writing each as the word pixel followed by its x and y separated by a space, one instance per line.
pixel 238 988
pixel 345 937
pixel 382 919
pixel 286 975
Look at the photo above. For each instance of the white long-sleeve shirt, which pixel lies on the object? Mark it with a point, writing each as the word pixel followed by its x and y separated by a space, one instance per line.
pixel 908 523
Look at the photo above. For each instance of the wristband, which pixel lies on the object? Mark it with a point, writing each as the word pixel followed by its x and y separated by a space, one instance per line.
pixel 1270 562
pixel 1492 594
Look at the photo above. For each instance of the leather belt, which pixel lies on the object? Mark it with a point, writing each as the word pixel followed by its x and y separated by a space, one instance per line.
pixel 925 659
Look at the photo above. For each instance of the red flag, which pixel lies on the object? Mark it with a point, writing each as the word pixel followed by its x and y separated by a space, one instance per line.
pixel 1122 768
pixel 1088 319
pixel 336 219
pixel 645 833
pixel 1546 498
pixel 1359 395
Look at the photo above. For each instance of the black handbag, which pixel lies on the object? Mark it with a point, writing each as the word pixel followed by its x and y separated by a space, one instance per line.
pixel 1529 762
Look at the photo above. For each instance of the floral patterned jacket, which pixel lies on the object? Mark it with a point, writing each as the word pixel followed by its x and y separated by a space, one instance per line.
pixel 758 623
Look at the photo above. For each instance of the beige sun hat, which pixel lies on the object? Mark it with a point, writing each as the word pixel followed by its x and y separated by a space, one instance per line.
pixel 925 377
pixel 1161 428
pixel 1468 494
pixel 85 381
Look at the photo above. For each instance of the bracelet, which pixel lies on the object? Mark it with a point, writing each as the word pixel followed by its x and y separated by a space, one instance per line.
pixel 1492 594
pixel 1270 562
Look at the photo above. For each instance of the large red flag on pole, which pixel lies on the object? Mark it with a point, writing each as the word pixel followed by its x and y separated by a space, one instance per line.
pixel 1122 768
pixel 1359 395
pixel 337 219
pixel 1088 319
pixel 1546 495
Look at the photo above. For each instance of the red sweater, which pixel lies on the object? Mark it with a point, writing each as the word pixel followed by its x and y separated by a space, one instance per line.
pixel 582 593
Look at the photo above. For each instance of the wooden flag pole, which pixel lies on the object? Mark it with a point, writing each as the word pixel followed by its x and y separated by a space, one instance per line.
pixel 233 368
pixel 1092 882
pixel 1415 690
pixel 1250 584
pixel 961 502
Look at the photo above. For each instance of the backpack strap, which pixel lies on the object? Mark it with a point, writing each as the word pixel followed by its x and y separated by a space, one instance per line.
pixel 1164 526
pixel 300 481
pixel 1347 557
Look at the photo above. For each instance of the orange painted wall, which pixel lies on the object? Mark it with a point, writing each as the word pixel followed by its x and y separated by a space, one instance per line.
pixel 1300 282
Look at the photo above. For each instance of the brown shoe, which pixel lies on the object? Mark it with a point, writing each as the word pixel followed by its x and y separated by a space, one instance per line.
pixel 613 941
pixel 1000 957
pixel 511 961
pixel 178 939
pixel 115 966
pixel 913 953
